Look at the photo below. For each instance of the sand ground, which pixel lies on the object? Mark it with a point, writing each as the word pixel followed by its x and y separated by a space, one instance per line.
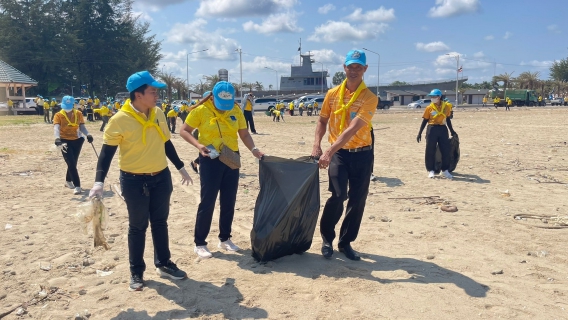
pixel 418 262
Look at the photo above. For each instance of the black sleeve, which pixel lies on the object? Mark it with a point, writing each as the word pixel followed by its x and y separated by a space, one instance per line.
pixel 449 123
pixel 171 153
pixel 105 158
pixel 422 126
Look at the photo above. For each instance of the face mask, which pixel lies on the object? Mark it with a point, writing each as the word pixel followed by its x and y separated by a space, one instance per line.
pixel 436 99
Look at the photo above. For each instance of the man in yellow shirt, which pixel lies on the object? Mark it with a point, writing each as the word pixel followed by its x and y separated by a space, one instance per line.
pixel 347 110
pixel 301 108
pixel 316 108
pixel 509 104
pixel 484 101
pixel 140 131
pixel 291 108
pixel 172 118
pixel 437 117
pixel 46 117
pixel 566 101
pixel 247 107
pixel 104 112
pixel 496 102
pixel 10 105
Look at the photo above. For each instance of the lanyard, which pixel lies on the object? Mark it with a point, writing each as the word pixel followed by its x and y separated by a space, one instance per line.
pixel 146 124
pixel 74 124
pixel 345 107
pixel 438 113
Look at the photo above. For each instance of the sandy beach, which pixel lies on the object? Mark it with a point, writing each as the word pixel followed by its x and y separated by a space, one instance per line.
pixel 418 262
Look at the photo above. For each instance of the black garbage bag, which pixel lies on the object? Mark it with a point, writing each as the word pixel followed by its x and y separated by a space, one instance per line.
pixel 287 207
pixel 454 155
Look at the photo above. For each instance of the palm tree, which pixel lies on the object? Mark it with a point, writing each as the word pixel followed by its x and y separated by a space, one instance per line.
pixel 169 79
pixel 270 87
pixel 258 86
pixel 211 81
pixel 248 85
pixel 528 80
pixel 506 78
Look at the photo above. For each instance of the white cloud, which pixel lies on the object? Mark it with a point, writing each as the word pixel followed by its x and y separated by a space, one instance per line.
pixel 241 8
pixel 447 60
pixel 536 63
pixel 259 64
pixel 489 37
pixel 450 8
pixel 553 28
pixel 507 35
pixel 432 46
pixel 379 15
pixel 326 8
pixel 327 56
pixel 479 55
pixel 193 33
pixel 282 22
pixel 153 5
pixel 142 15
pixel 333 31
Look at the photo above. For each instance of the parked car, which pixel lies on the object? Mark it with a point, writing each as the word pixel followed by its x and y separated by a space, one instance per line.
pixel 557 101
pixel 319 100
pixel 263 104
pixel 178 103
pixel 422 103
pixel 306 98
pixel 384 104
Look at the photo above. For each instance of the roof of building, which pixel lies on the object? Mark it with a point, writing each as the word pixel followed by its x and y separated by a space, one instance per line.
pixel 477 91
pixel 9 74
pixel 418 92
pixel 399 92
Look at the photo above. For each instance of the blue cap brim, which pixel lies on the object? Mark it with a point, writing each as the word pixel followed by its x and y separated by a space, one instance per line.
pixel 350 62
pixel 224 105
pixel 158 85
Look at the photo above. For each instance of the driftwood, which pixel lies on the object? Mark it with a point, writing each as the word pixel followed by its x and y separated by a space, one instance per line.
pixel 29 303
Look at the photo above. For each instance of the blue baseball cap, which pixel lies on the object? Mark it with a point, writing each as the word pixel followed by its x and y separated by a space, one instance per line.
pixel 67 103
pixel 141 78
pixel 356 56
pixel 435 92
pixel 224 96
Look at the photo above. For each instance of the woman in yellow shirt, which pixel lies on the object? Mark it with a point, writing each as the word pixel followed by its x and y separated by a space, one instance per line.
pixel 437 117
pixel 69 129
pixel 220 122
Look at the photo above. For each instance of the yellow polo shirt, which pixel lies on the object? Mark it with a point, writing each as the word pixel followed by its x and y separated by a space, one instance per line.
pixel 363 108
pixel 234 120
pixel 125 131
pixel 291 106
pixel 103 111
pixel 248 105
pixel 10 103
pixel 437 115
pixel 172 114
pixel 46 105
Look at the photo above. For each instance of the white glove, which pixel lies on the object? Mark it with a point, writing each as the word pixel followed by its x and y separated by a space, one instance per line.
pixel 97 190
pixel 185 178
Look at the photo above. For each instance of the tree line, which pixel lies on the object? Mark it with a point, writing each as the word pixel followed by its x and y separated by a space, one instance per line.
pixel 69 45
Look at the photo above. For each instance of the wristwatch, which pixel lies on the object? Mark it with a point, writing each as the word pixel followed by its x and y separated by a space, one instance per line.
pixel 253 149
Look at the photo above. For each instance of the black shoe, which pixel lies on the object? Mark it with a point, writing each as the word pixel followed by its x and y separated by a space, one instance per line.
pixel 349 252
pixel 327 250
pixel 194 166
pixel 254 133
pixel 171 271
pixel 136 282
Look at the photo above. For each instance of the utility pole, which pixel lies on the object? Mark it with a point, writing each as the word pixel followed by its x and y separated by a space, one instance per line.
pixel 378 71
pixel 457 73
pixel 187 69
pixel 240 51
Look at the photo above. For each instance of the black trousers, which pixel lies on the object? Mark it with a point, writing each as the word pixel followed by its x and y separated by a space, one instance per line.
pixel 216 178
pixel 105 121
pixel 250 121
pixel 349 174
pixel 71 158
pixel 437 136
pixel 54 111
pixel 148 202
pixel 46 116
pixel 172 124
pixel 39 109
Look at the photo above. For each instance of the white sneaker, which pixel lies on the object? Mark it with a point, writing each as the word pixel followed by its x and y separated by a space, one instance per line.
pixel 202 252
pixel 374 177
pixel 69 185
pixel 77 190
pixel 431 174
pixel 228 245
pixel 446 174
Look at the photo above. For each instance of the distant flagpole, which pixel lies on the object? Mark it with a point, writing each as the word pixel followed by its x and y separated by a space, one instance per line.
pixel 300 50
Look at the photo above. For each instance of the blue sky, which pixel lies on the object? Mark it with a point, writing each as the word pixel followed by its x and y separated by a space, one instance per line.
pixel 413 37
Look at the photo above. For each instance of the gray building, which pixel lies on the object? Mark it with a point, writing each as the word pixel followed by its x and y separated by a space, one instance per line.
pixel 304 78
pixel 475 96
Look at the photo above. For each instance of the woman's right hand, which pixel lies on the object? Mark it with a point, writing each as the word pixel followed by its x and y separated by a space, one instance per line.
pixel 204 151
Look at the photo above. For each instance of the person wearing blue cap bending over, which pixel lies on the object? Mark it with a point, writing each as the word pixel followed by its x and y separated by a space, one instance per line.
pixel 348 110
pixel 220 123
pixel 141 132
pixel 437 117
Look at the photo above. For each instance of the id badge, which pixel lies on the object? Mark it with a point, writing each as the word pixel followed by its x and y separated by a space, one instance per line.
pixel 213 152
